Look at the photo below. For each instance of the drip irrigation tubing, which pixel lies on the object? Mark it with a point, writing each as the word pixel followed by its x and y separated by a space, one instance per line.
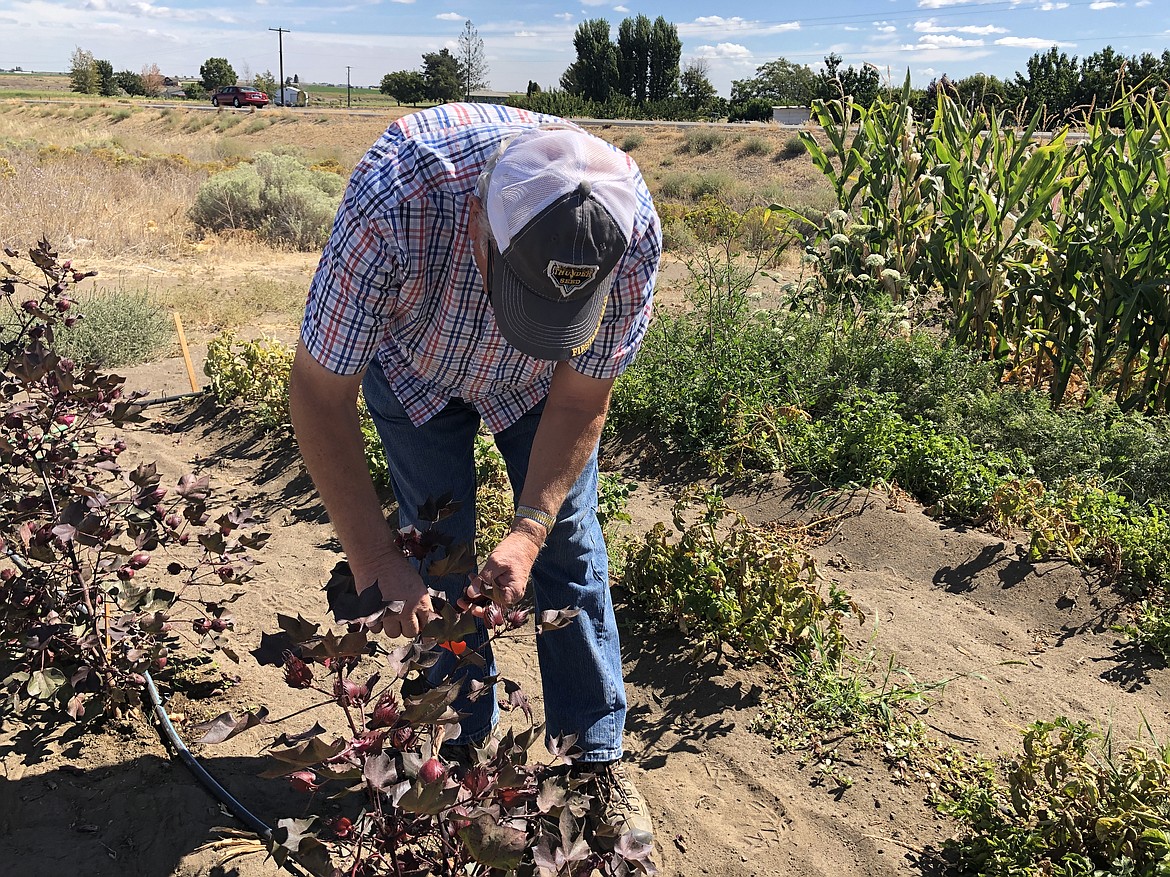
pixel 175 398
pixel 238 810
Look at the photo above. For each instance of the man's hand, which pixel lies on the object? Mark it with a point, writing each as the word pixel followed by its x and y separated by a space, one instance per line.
pixel 503 577
pixel 409 605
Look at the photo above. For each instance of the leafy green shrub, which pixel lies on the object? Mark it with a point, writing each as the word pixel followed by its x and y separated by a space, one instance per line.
pixel 613 493
pixel 1072 806
pixel 494 506
pixel 256 373
pixel 120 328
pixel 754 110
pixel 1150 626
pixel 275 195
pixel 719 582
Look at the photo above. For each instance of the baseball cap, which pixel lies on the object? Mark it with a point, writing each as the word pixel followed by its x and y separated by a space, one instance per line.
pixel 560 204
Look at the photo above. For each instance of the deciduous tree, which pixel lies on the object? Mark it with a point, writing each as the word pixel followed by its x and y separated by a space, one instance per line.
pixel 83 75
pixel 781 82
pixel 405 86
pixel 441 74
pixel 152 80
pixel 215 72
pixel 694 86
pixel 594 75
pixel 665 52
pixel 633 46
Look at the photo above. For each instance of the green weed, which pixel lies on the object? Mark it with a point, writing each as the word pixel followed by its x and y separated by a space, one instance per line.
pixel 1073 804
pixel 721 579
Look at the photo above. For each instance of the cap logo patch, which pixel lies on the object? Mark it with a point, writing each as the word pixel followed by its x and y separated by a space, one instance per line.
pixel 570 278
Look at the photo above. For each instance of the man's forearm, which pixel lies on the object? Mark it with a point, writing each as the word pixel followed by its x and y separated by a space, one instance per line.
pixel 569 430
pixel 325 420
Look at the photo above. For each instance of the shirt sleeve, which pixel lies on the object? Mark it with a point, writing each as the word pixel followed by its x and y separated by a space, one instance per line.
pixel 628 310
pixel 354 291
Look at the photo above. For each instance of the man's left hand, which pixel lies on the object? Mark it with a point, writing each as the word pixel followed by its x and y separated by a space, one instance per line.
pixel 503 577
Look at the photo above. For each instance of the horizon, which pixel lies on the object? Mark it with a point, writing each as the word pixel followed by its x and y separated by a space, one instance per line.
pixel 532 39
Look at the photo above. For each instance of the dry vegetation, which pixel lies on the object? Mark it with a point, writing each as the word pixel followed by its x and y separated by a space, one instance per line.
pixel 111 183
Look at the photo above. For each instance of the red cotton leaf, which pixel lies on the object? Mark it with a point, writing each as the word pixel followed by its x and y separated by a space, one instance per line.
pixel 225 726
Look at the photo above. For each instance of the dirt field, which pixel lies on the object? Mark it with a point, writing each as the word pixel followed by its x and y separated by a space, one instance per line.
pixel 1020 641
pixel 1025 641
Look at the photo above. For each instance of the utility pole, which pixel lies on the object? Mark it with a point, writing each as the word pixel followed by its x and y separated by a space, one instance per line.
pixel 347 69
pixel 280 32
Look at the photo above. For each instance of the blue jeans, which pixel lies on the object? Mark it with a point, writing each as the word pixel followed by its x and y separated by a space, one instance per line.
pixel 580 665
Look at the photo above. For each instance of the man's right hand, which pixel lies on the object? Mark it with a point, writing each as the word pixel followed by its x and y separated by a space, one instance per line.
pixel 399 583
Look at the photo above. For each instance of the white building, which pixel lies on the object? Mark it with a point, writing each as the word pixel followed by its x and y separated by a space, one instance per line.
pixel 790 115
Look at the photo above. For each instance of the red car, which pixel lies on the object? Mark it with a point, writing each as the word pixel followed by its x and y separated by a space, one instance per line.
pixel 239 96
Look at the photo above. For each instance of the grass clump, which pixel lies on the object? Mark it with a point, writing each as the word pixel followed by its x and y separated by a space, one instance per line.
pixel 794 147
pixel 696 186
pixel 755 145
pixel 287 203
pixel 117 328
pixel 632 141
pixel 700 141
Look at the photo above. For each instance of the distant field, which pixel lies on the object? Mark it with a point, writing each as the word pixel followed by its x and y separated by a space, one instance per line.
pixel 56 85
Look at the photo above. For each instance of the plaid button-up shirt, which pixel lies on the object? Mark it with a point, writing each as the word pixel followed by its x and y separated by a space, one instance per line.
pixel 398 281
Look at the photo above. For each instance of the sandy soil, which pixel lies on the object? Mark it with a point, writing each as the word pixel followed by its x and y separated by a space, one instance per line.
pixel 1021 641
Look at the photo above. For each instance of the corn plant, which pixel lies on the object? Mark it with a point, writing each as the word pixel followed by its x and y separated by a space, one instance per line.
pixel 1052 257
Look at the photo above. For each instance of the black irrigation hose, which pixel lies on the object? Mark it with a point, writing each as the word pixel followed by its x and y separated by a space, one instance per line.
pixel 209 782
pixel 175 398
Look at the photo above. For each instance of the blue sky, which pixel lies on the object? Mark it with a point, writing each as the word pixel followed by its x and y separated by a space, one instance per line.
pixel 532 39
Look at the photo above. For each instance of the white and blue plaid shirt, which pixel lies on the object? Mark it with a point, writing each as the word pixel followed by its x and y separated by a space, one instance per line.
pixel 397 279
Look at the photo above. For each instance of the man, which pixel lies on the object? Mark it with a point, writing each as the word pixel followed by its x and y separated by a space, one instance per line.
pixel 487 262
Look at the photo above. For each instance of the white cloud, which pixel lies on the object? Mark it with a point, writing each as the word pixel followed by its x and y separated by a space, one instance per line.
pixel 620 9
pixel 1143 3
pixel 1105 4
pixel 723 50
pixel 885 27
pixel 716 25
pixel 941 41
pixel 1049 7
pixel 939 4
pixel 850 27
pixel 929 26
pixel 401 1
pixel 449 16
pixel 1032 43
pixel 525 33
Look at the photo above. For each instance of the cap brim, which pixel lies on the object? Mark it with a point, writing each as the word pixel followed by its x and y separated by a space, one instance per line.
pixel 540 327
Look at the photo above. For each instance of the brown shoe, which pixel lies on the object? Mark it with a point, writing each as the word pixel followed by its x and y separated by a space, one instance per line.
pixel 618 804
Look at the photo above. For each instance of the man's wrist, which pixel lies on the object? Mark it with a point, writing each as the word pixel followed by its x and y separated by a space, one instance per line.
pixel 530 529
pixel 547 520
